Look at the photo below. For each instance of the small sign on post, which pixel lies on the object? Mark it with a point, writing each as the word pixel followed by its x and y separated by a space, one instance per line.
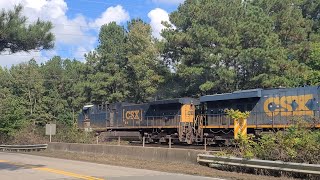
pixel 50 130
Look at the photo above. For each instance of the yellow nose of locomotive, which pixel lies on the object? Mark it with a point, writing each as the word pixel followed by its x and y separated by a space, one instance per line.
pixel 187 113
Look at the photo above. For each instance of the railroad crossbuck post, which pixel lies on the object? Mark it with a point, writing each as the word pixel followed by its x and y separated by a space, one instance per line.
pixel 240 128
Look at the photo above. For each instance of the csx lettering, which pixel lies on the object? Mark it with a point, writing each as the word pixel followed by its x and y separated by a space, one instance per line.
pixel 133 115
pixel 288 105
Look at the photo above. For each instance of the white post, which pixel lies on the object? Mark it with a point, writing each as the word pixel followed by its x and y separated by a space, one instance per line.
pixel 143 141
pixel 169 141
pixel 50 132
pixel 118 140
pixel 205 144
pixel 97 138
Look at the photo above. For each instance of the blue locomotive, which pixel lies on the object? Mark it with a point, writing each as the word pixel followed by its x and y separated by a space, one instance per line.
pixel 191 120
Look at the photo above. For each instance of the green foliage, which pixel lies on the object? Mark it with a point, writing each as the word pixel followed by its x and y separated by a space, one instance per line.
pixel 17 36
pixel 73 135
pixel 26 82
pixel 314 60
pixel 38 94
pixel 236 114
pixel 298 143
pixel 107 80
pixel 212 46
pixel 220 46
pixel 29 134
pixel 12 114
pixel 144 66
pixel 125 65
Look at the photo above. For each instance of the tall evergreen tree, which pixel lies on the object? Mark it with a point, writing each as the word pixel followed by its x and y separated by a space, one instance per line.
pixel 27 83
pixel 221 45
pixel 107 65
pixel 16 35
pixel 145 70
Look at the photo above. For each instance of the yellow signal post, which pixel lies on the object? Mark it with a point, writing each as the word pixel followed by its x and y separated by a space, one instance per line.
pixel 240 128
pixel 239 122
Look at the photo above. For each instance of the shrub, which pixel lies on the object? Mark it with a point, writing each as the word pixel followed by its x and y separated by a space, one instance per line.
pixel 29 134
pixel 298 143
pixel 236 114
pixel 71 134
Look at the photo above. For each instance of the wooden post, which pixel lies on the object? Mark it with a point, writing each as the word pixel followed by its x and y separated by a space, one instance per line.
pixel 170 142
pixel 118 140
pixel 143 141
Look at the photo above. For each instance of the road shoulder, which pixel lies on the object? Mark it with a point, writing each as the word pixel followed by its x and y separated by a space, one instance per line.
pixel 171 167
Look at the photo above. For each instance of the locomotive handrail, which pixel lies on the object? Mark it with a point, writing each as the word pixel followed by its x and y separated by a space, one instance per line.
pixel 23 147
pixel 216 161
pixel 161 116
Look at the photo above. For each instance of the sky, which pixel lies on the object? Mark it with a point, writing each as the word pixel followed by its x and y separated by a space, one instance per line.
pixel 77 23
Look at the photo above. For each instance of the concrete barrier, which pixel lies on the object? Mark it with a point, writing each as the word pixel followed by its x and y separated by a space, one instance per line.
pixel 140 153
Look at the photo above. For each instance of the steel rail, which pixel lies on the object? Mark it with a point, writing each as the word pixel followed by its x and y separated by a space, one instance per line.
pixel 215 161
pixel 23 147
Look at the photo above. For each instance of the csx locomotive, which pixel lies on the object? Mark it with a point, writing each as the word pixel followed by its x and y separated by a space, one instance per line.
pixel 191 120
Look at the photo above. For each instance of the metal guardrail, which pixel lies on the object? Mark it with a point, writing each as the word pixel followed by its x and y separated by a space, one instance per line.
pixel 23 147
pixel 214 161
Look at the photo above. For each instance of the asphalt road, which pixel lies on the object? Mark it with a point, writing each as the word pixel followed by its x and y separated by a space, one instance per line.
pixel 28 167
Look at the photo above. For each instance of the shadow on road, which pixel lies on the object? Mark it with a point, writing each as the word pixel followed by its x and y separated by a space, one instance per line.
pixel 17 166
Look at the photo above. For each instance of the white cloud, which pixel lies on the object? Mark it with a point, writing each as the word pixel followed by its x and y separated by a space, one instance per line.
pixel 4 4
pixel 168 1
pixel 50 53
pixel 74 33
pixel 80 51
pixel 35 4
pixel 116 14
pixel 71 31
pixel 67 31
pixel 16 58
pixel 157 16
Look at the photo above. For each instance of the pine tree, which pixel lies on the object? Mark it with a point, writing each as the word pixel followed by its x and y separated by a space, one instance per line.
pixel 16 35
